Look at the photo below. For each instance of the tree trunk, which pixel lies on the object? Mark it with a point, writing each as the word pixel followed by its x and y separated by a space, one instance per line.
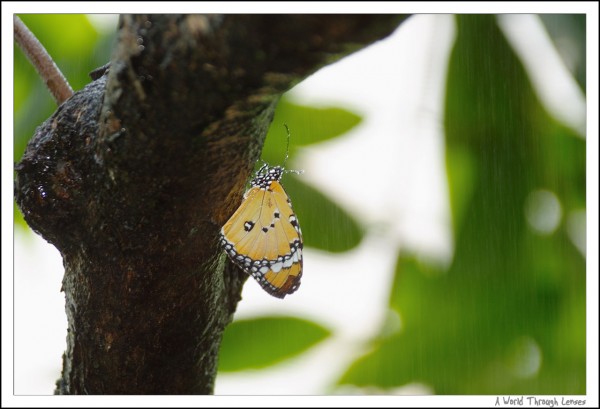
pixel 133 176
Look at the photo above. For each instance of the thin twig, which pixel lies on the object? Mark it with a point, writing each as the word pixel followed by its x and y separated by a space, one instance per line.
pixel 41 60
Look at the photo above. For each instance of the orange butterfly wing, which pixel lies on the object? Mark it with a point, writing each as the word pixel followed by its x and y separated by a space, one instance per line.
pixel 264 239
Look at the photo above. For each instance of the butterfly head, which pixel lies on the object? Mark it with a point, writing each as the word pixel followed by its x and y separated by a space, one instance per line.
pixel 267 174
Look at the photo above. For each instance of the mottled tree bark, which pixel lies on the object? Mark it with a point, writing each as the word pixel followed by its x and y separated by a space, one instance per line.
pixel 132 178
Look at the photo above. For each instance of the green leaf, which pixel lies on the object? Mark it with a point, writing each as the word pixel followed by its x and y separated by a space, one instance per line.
pixel 262 342
pixel 308 125
pixel 325 225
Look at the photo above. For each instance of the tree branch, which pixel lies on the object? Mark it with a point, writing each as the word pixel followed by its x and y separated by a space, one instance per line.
pixel 42 62
pixel 133 177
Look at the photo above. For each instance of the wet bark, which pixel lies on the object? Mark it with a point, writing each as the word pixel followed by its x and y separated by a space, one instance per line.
pixel 133 176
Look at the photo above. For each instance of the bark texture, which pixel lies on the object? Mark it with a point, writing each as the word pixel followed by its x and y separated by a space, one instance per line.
pixel 133 176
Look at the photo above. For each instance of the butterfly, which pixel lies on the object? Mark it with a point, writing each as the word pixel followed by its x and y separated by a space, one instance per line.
pixel 263 236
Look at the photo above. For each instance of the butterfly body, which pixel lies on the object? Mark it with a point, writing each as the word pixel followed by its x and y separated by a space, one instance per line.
pixel 263 236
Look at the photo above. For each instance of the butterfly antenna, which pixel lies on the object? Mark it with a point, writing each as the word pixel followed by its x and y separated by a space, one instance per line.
pixel 287 152
pixel 287 147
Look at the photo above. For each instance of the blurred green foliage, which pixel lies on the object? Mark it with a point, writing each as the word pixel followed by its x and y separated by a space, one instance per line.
pixel 325 224
pixel 264 341
pixel 308 125
pixel 508 317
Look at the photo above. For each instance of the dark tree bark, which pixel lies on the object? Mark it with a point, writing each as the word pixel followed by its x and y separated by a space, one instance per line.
pixel 132 178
